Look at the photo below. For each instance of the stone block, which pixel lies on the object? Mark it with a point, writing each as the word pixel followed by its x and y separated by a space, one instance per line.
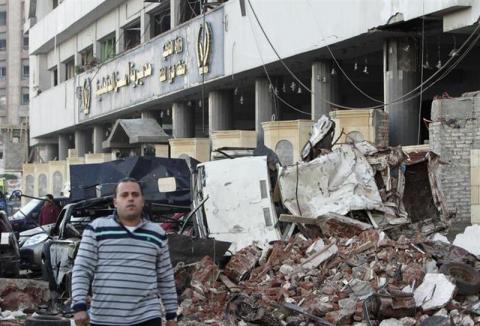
pixel 475 176
pixel 475 195
pixel 475 214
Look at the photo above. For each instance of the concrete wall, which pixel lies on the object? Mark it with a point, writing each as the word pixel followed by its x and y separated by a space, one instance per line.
pixel 454 132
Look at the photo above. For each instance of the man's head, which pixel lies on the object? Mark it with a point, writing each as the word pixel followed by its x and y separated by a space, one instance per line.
pixel 49 200
pixel 128 199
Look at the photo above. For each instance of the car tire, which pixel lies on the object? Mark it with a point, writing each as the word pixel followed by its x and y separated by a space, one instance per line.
pixel 42 320
pixel 466 277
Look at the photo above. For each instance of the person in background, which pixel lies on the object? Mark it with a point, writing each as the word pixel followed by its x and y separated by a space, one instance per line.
pixel 49 212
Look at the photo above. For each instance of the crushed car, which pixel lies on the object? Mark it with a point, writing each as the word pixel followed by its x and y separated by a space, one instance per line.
pixel 9 252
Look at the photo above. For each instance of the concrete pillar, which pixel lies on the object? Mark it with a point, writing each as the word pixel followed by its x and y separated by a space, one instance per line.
pixel 183 122
pixel 175 13
pixel 264 107
pixel 144 27
pixel 324 88
pixel 98 138
pixel 62 147
pixel 220 110
pixel 400 76
pixel 80 142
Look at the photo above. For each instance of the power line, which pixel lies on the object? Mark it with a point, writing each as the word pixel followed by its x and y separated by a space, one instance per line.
pixel 395 101
pixel 268 75
pixel 340 67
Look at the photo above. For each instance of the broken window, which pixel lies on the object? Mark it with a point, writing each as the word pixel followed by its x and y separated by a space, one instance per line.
pixel 189 9
pixel 87 60
pixel 69 68
pixel 54 73
pixel 107 47
pixel 132 35
pixel 160 21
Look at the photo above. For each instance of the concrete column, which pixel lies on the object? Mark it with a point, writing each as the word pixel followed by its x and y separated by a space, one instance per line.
pixel 264 107
pixel 400 76
pixel 175 13
pixel 144 27
pixel 62 147
pixel 324 88
pixel 80 142
pixel 98 138
pixel 220 110
pixel 183 122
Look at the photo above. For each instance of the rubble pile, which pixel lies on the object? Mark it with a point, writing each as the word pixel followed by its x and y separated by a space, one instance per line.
pixel 19 298
pixel 365 279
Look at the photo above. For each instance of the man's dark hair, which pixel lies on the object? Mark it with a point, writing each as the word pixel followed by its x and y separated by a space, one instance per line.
pixel 49 197
pixel 128 179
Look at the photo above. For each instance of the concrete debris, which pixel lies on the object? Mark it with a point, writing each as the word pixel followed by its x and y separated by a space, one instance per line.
pixel 23 294
pixel 333 280
pixel 337 182
pixel 435 292
pixel 469 239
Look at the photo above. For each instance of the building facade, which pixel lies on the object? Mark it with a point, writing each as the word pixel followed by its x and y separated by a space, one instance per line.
pixel 14 87
pixel 131 77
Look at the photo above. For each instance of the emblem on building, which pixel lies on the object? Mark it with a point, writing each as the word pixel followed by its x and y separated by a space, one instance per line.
pixel 204 41
pixel 86 95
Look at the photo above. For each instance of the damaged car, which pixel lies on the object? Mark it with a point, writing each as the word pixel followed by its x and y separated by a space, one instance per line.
pixel 9 252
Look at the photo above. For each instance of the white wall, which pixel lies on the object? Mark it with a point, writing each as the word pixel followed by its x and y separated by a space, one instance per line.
pixel 299 26
pixel 53 110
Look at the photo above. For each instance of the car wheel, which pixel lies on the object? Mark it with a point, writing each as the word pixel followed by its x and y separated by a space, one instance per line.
pixel 41 320
pixel 466 277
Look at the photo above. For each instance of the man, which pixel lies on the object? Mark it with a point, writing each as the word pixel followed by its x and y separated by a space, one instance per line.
pixel 126 260
pixel 49 212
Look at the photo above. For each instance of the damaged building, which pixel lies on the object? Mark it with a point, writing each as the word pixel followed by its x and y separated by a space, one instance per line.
pixel 335 158
pixel 235 74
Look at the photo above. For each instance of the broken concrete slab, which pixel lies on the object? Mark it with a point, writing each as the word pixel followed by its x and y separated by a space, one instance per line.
pixel 469 239
pixel 435 292
pixel 341 226
pixel 338 182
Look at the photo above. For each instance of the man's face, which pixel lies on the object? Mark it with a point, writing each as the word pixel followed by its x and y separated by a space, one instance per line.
pixel 128 201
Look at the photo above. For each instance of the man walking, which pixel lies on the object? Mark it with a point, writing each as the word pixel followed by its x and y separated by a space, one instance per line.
pixel 126 260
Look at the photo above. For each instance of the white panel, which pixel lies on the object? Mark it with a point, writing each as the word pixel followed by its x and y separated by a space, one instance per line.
pixel 86 38
pixel 107 24
pixel 67 49
pixel 55 102
pixel 251 216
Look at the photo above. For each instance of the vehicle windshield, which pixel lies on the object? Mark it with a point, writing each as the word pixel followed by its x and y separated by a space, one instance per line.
pixel 31 205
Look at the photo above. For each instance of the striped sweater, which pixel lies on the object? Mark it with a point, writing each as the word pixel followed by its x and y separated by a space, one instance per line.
pixel 130 273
